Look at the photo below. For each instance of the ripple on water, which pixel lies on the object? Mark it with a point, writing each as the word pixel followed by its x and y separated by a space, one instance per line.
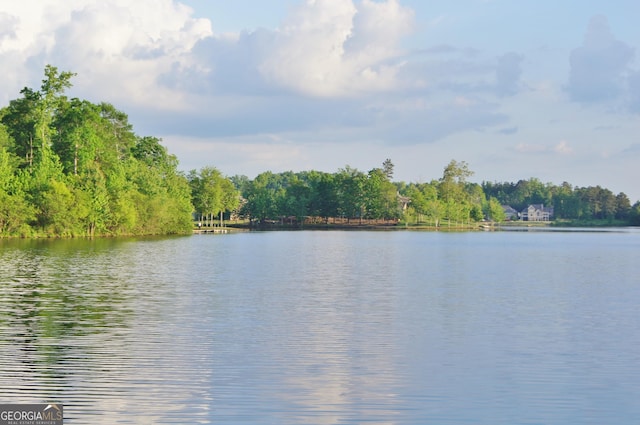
pixel 325 327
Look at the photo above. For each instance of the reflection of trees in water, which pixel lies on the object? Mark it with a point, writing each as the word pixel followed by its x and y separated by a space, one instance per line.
pixel 60 301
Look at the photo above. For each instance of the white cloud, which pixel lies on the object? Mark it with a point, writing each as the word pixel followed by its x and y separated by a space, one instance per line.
pixel 118 48
pixel 334 68
pixel 336 48
pixel 8 27
pixel 330 64
pixel 563 148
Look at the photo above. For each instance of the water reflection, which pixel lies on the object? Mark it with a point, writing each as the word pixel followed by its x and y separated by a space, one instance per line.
pixel 336 366
pixel 60 302
pixel 310 357
pixel 324 328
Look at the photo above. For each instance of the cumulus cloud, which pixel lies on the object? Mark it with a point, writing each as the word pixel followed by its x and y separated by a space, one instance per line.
pixel 8 24
pixel 324 48
pixel 336 47
pixel 326 66
pixel 600 66
pixel 118 48
pixel 126 46
pixel 330 64
pixel 563 148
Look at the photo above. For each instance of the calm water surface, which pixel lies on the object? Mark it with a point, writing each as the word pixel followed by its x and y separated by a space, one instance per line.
pixel 326 328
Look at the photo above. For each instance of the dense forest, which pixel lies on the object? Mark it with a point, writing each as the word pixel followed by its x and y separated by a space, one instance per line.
pixel 69 167
pixel 451 199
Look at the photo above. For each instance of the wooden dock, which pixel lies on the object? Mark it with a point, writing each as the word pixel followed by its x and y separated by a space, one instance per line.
pixel 211 230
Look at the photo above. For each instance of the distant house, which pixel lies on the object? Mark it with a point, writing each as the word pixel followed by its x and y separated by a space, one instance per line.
pixel 536 212
pixel 510 213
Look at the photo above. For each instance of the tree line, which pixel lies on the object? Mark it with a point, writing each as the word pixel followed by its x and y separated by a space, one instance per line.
pixel 348 193
pixel 449 200
pixel 69 167
pixel 568 202
pixel 353 194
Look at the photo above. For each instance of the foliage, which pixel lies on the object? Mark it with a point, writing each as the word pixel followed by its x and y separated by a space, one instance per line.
pixel 494 210
pixel 69 167
pixel 634 214
pixel 212 193
pixel 568 202
pixel 451 201
pixel 349 193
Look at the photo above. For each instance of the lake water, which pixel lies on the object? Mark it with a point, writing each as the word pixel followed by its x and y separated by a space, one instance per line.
pixel 316 327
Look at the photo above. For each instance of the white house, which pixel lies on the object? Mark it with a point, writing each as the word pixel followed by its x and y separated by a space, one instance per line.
pixel 536 212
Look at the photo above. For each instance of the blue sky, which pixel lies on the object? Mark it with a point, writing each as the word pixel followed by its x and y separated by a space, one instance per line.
pixel 517 89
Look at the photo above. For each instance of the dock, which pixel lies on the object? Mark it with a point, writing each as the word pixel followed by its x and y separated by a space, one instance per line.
pixel 211 230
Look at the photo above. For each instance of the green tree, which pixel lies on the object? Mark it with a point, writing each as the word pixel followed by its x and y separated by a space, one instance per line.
pixel 240 182
pixel 564 201
pixel 323 200
pixel 381 200
pixel 150 151
pixel 51 98
pixel 453 182
pixel 387 168
pixel 116 125
pixel 206 192
pixel 634 214
pixel 212 193
pixel 475 212
pixel 59 213
pixel 7 169
pixel 15 212
pixel 418 203
pixel 424 201
pixel 92 194
pixel 495 212
pixel 297 199
pixel 462 201
pixel 435 210
pixel 82 141
pixel 350 192
pixel 45 104
pixel 70 167
pixel 264 196
pixel 623 206
pixel 19 119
